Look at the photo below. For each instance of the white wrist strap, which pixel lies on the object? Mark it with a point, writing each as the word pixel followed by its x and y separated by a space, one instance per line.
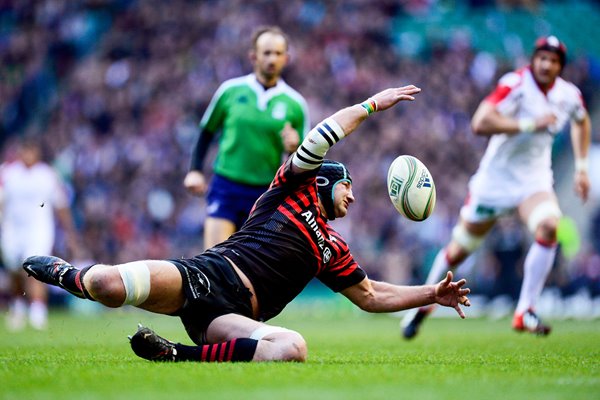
pixel 581 164
pixel 527 125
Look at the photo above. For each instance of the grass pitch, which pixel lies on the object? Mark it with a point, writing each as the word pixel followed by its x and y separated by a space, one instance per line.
pixel 352 355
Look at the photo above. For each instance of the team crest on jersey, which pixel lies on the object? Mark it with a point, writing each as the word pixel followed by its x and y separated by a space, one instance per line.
pixel 279 111
pixel 326 255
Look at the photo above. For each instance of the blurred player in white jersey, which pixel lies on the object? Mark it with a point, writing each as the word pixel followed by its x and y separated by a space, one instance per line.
pixel 31 191
pixel 521 117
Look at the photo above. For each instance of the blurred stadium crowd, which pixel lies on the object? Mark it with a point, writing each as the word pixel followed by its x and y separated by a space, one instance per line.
pixel 115 90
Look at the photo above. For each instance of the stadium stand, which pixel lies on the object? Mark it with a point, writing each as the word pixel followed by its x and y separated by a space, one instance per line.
pixel 115 90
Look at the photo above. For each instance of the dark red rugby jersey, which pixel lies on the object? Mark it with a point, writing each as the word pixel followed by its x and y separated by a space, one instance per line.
pixel 286 242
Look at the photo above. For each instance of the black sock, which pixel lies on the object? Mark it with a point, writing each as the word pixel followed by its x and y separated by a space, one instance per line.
pixel 72 281
pixel 241 349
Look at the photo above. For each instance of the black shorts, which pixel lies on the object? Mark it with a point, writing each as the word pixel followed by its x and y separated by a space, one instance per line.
pixel 211 288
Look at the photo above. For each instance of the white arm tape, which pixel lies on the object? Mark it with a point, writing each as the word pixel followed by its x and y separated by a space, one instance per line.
pixel 266 330
pixel 136 278
pixel 315 145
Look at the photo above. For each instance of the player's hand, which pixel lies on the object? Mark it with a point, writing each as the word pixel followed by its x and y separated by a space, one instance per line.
pixel 390 97
pixel 195 183
pixel 290 138
pixel 582 185
pixel 451 294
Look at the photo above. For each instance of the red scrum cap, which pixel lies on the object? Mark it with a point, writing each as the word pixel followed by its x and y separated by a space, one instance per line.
pixel 551 43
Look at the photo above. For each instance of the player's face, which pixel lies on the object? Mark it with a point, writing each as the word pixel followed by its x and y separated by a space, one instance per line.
pixel 30 155
pixel 269 57
pixel 546 67
pixel 342 198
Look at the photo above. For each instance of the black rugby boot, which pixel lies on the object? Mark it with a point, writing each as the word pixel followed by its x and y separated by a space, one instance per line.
pixel 50 270
pixel 146 344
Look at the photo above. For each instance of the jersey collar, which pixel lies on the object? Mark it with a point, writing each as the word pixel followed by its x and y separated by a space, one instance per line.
pixel 263 96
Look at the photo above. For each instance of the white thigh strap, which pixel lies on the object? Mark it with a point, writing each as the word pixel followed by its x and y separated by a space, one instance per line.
pixel 265 330
pixel 136 278
pixel 543 210
pixel 466 239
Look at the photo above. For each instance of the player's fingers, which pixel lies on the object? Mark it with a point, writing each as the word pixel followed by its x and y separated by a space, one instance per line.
pixel 449 276
pixel 464 292
pixel 197 190
pixel 410 89
pixel 460 311
pixel 464 300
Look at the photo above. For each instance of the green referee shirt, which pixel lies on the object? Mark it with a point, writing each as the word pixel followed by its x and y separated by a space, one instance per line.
pixel 250 119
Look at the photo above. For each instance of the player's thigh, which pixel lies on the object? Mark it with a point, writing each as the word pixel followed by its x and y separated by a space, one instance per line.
pixel 274 343
pixel 154 285
pixel 479 228
pixel 540 212
pixel 231 326
pixel 166 290
pixel 528 206
pixel 466 238
pixel 217 230
pixel 478 216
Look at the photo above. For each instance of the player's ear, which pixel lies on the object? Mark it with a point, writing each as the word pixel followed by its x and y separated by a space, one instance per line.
pixel 252 56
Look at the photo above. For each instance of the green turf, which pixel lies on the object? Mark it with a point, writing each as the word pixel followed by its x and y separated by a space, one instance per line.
pixel 352 355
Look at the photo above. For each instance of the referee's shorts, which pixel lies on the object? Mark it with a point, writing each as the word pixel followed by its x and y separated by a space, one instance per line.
pixel 232 200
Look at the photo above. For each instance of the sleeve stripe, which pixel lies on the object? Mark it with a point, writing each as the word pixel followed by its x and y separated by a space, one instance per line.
pixel 325 135
pixel 498 94
pixel 309 161
pixel 311 154
pixel 315 145
pixel 331 131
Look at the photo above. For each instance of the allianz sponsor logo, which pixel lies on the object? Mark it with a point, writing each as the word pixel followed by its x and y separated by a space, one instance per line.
pixel 424 180
pixel 312 223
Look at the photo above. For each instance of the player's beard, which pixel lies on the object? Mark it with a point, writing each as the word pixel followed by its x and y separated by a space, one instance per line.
pixel 270 72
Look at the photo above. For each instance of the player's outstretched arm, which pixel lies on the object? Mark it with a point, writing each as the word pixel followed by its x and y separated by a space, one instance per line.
pixel 380 297
pixel 351 117
pixel 319 140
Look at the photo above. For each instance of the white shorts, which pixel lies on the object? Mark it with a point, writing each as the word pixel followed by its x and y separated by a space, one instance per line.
pixel 491 198
pixel 474 210
pixel 17 245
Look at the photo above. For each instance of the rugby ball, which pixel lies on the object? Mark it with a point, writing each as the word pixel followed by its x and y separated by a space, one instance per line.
pixel 411 188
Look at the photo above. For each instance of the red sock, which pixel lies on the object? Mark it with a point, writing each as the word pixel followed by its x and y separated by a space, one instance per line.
pixel 241 349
